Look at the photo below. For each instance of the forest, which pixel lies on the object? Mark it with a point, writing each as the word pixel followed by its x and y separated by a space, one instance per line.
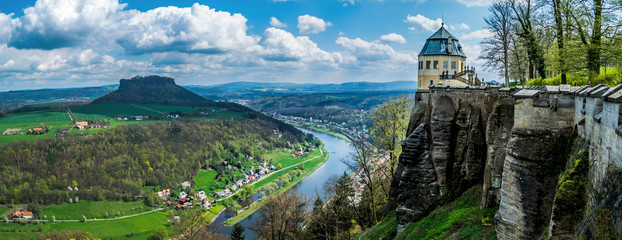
pixel 114 164
pixel 555 41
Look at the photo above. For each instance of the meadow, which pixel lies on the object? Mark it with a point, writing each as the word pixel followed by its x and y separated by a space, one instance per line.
pixel 53 119
pixel 93 209
pixel 139 227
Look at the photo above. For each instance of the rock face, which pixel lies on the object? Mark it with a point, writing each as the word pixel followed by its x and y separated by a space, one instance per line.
pixel 518 145
pixel 499 129
pixel 530 174
pixel 452 159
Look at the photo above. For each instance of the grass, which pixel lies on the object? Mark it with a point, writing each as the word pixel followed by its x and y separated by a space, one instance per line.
pixel 385 229
pixel 205 178
pixel 609 76
pixel 93 209
pixel 460 219
pixel 142 226
pixel 54 119
pixel 311 166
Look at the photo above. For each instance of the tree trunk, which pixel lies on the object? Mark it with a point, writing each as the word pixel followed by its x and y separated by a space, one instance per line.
pixel 560 39
pixel 593 51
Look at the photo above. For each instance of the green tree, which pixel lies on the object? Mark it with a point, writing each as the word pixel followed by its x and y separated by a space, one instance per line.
pixel 160 233
pixel 238 232
pixel 389 122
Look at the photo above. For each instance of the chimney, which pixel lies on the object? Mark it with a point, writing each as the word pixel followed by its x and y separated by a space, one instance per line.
pixel 450 47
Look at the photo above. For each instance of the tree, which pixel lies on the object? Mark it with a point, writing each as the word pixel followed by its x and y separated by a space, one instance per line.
pixel 496 50
pixel 362 164
pixel 559 28
pixel 160 233
pixel 523 14
pixel 282 217
pixel 333 220
pixel 389 122
pixel 193 224
pixel 238 232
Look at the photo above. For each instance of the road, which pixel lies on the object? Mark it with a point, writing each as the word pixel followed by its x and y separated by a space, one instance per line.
pixel 109 219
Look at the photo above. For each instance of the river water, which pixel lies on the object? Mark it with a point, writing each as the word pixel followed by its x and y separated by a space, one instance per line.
pixel 310 187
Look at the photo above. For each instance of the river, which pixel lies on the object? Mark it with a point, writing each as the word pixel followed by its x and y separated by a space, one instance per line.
pixel 310 186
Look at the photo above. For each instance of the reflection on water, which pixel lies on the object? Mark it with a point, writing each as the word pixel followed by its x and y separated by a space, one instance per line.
pixel 310 186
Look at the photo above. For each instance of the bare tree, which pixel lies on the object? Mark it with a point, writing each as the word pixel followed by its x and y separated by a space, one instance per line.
pixel 559 27
pixel 362 164
pixel 500 26
pixel 194 224
pixel 282 217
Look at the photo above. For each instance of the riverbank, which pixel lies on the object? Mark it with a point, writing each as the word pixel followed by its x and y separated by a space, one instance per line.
pixel 261 202
pixel 318 129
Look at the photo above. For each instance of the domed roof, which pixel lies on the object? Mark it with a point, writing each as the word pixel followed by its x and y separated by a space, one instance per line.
pixel 437 44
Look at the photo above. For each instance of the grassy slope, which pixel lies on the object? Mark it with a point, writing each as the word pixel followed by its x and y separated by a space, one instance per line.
pixel 93 209
pixel 460 219
pixel 142 227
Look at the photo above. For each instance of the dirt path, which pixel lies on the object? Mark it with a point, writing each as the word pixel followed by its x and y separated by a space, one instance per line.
pixel 111 219
pixel 149 109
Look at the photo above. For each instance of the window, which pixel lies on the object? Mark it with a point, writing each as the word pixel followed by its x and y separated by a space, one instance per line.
pixel 445 65
pixel 420 64
pixel 453 65
pixel 427 64
pixel 435 64
pixel 431 82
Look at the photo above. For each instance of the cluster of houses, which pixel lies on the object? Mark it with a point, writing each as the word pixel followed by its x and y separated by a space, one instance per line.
pixel 186 200
pixel 249 177
pixel 22 215
pixel 137 118
pixel 85 125
pixel 37 131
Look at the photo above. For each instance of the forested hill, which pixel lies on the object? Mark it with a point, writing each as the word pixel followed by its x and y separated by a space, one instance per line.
pixel 114 164
pixel 152 90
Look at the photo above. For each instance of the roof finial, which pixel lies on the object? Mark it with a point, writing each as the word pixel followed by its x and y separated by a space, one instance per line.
pixel 442 20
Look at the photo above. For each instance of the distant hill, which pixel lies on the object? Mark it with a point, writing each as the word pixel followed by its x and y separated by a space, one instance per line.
pixel 306 87
pixel 16 99
pixel 152 90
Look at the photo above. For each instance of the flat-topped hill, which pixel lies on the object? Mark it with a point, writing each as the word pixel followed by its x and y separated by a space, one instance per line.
pixel 152 90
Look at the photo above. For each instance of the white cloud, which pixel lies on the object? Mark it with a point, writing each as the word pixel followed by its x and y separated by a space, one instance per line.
pixel 195 29
pixel 52 24
pixel 393 37
pixel 280 45
pixel 476 3
pixel 364 50
pixel 476 35
pixel 276 23
pixel 422 23
pixel 461 26
pixel 311 25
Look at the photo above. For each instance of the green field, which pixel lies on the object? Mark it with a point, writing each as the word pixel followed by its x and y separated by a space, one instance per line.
pixel 111 110
pixel 205 178
pixel 54 119
pixel 93 209
pixel 142 226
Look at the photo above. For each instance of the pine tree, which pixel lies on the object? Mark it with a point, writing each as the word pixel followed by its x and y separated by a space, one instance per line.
pixel 238 232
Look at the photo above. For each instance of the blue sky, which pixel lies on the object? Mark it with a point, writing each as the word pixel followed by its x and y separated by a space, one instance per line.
pixel 76 43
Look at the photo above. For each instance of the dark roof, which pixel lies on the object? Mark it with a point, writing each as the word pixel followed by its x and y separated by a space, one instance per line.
pixel 437 44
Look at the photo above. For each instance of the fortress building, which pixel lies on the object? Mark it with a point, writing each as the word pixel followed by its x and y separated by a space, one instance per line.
pixel 443 62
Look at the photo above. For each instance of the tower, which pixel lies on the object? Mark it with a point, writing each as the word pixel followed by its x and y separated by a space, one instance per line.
pixel 442 62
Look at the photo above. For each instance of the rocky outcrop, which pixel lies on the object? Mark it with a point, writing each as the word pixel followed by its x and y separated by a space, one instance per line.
pixel 516 143
pixel 499 130
pixel 530 173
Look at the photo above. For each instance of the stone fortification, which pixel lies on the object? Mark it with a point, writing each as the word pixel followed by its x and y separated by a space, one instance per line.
pixel 516 142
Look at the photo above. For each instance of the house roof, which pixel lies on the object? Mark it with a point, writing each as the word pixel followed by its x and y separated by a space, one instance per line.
pixel 438 42
pixel 26 213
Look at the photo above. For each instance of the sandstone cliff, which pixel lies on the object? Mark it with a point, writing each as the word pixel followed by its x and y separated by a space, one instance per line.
pixel 519 145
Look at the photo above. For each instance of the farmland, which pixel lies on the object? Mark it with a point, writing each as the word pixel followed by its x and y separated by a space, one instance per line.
pixel 92 209
pixel 55 119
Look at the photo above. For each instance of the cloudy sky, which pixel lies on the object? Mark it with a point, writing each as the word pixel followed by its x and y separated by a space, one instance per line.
pixel 77 43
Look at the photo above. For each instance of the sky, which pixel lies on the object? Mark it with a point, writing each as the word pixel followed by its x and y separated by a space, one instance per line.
pixel 79 43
